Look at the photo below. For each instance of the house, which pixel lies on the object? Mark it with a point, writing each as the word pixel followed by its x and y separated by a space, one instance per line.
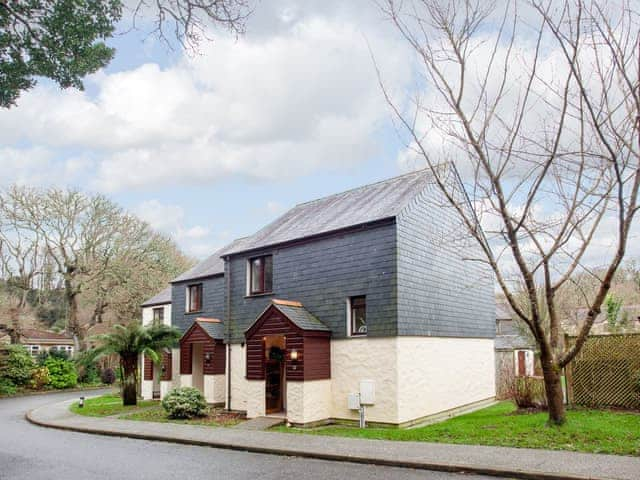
pixel 514 350
pixel 368 288
pixel 38 340
pixel 157 378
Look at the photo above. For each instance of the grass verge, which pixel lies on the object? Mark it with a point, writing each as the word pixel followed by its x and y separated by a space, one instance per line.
pixel 106 405
pixel 216 418
pixel 593 431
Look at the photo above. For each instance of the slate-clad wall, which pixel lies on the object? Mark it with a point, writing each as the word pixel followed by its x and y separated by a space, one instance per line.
pixel 439 293
pixel 322 274
pixel 213 292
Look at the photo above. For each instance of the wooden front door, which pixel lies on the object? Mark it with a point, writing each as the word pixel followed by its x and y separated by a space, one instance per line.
pixel 274 373
pixel 522 364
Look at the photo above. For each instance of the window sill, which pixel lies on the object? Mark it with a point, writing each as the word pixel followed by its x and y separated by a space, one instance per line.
pixel 357 335
pixel 193 313
pixel 253 295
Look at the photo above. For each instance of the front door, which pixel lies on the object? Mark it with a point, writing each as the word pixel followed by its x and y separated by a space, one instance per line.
pixel 522 364
pixel 274 385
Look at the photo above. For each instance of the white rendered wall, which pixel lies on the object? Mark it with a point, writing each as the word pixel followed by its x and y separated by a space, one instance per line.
pixel 236 367
pixel 355 359
pixel 255 390
pixel 439 374
pixel 186 381
pixel 147 389
pixel 147 314
pixel 165 387
pixel 308 401
pixel 214 388
pixel 175 368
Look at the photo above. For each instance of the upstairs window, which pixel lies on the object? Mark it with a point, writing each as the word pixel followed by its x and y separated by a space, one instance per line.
pixel 158 315
pixel 260 275
pixel 358 315
pixel 194 298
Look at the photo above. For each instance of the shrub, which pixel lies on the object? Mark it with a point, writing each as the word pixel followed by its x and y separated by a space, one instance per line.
pixel 18 365
pixel 528 392
pixel 39 378
pixel 186 402
pixel 52 353
pixel 62 373
pixel 7 387
pixel 108 376
pixel 89 373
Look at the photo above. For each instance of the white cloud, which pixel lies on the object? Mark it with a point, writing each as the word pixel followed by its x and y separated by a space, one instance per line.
pixel 300 98
pixel 165 218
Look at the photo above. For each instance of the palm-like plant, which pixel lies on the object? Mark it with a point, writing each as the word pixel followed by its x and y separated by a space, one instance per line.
pixel 129 342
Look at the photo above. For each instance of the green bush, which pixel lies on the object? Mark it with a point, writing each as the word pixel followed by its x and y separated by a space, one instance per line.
pixel 40 378
pixel 7 387
pixel 62 373
pixel 186 402
pixel 18 365
pixel 53 353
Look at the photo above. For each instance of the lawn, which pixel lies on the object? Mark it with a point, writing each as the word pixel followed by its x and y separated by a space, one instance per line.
pixel 216 417
pixel 108 405
pixel 595 431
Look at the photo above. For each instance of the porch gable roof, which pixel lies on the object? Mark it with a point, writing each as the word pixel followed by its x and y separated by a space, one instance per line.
pixel 212 327
pixel 295 312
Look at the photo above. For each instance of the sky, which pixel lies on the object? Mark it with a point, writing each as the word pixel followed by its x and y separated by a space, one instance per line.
pixel 213 145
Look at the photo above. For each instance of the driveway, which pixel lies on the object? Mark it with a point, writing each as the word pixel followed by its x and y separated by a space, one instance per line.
pixel 28 451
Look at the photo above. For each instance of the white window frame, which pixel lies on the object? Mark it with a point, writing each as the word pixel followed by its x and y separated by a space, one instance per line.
pixel 34 350
pixel 349 322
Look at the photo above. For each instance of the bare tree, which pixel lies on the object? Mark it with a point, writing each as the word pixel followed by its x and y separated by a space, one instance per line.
pixel 536 103
pixel 75 229
pixel 188 21
pixel 21 259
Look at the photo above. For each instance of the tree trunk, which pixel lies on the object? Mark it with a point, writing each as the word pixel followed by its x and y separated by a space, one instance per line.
pixel 73 321
pixel 553 389
pixel 14 330
pixel 129 379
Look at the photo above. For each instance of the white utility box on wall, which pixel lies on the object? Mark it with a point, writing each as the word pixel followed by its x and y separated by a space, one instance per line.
pixel 367 392
pixel 353 401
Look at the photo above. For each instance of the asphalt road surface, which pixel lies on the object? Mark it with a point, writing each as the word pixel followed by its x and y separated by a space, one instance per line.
pixel 31 452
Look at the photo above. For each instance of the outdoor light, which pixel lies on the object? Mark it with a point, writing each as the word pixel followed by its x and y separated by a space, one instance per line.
pixel 81 402
pixel 207 358
pixel 294 355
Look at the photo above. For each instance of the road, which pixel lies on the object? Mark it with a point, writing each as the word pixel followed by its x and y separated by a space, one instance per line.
pixel 31 452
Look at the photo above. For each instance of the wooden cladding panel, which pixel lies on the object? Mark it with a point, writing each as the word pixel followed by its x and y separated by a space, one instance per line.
pixel 185 359
pixel 166 366
pixel 219 358
pixel 255 359
pixel 317 351
pixel 295 370
pixel 148 368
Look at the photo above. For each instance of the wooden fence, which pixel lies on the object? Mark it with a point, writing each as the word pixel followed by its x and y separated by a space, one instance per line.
pixel 606 372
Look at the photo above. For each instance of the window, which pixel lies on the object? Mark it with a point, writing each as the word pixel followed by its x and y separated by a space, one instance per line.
pixel 260 275
pixel 194 298
pixel 358 315
pixel 33 349
pixel 158 315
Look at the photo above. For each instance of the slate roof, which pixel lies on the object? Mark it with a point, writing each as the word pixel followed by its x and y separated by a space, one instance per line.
pixel 210 266
pixel 300 316
pixel 513 342
pixel 37 335
pixel 160 299
pixel 213 327
pixel 370 203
